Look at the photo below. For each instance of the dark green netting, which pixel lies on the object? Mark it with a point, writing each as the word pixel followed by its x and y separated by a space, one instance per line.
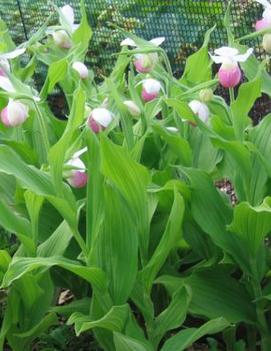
pixel 182 22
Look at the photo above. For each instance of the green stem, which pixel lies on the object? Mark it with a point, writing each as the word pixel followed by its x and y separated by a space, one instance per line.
pixel 232 98
pixel 205 85
pixel 253 35
pixel 262 323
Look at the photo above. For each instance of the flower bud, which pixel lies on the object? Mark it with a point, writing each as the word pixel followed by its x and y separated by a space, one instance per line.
pixel 62 39
pixel 81 69
pixel 229 75
pixel 200 109
pixel 14 114
pixel 267 43
pixel 151 89
pixel 206 95
pixel 132 108
pixel 144 63
pixel 99 119
pixel 77 176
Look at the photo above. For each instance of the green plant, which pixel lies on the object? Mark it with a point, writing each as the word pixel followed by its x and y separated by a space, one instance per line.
pixel 150 243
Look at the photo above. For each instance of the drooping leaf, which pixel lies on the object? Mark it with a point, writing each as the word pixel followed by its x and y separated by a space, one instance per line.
pixel 114 320
pixel 187 337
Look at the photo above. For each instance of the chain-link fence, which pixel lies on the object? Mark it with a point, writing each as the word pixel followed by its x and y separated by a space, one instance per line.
pixel 182 22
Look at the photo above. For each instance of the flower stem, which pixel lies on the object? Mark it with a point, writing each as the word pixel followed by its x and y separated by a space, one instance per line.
pixel 232 98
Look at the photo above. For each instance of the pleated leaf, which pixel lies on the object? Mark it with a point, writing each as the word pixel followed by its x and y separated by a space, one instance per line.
pixel 114 320
pixel 187 337
pixel 23 265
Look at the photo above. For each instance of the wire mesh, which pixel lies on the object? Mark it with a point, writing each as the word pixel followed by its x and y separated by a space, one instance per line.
pixel 182 22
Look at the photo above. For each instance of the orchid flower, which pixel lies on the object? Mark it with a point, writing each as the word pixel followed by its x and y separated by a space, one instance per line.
pixel 66 19
pixel 200 109
pixel 99 119
pixel 14 114
pixel 229 74
pixel 132 107
pixel 77 176
pixel 81 69
pixel 265 22
pixel 144 63
pixel 151 89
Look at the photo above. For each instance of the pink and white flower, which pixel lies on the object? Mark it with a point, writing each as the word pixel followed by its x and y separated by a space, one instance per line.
pixel 200 109
pixel 229 74
pixel 14 114
pixel 150 89
pixel 144 63
pixel 99 119
pixel 265 21
pixel 132 107
pixel 81 69
pixel 77 176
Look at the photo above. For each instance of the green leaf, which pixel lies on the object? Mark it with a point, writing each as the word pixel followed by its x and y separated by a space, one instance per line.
pixel 95 196
pixel 83 33
pixel 199 59
pixel 17 224
pixel 117 246
pixel 252 224
pixel 170 240
pixel 173 316
pixel 247 95
pixel 206 199
pixel 131 180
pixel 57 242
pixel 114 320
pixel 22 265
pixel 187 337
pixel 215 293
pixel 57 152
pixel 126 343
pixel 177 144
pixel 34 204
pixel 57 72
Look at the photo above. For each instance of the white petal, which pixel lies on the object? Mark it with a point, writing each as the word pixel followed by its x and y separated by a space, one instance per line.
pixel 67 12
pixel 132 107
pixel 6 85
pixel 158 41
pixel 200 109
pixel 172 129
pixel 77 163
pixel 244 57
pixel 12 54
pixel 74 27
pixel 5 64
pixel 226 51
pixel 216 59
pixel 128 42
pixel 265 3
pixel 80 152
pixel 151 86
pixel 102 116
